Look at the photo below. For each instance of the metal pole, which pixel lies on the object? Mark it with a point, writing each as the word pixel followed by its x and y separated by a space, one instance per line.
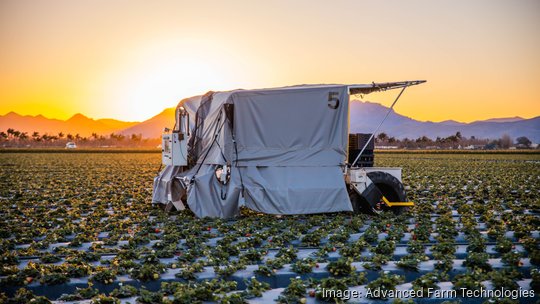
pixel 377 129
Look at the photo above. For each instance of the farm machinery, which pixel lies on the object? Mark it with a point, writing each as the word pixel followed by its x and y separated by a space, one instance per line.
pixel 280 151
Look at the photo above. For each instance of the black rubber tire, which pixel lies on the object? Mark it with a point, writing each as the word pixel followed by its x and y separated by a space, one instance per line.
pixel 382 184
pixel 359 204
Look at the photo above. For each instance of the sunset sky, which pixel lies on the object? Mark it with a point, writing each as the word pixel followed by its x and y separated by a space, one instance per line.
pixel 131 59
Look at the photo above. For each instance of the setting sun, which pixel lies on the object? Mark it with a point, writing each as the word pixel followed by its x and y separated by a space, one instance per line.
pixel 158 77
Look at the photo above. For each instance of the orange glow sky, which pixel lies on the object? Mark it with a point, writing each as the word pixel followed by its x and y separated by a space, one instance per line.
pixel 130 59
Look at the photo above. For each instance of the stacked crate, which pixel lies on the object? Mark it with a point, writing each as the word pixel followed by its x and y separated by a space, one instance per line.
pixel 356 143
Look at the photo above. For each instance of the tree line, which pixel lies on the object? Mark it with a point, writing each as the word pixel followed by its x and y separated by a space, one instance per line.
pixel 455 141
pixel 15 138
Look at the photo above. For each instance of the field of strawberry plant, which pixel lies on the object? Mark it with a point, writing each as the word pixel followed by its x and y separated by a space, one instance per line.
pixel 80 227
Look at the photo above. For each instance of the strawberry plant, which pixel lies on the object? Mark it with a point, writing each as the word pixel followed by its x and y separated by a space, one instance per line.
pixel 415 247
pixel 385 247
pixel 426 282
pixel 304 266
pixel 104 276
pixel 54 279
pixel 445 265
pixel 233 298
pixel 255 288
pixel 476 260
pixel 294 293
pixel 149 297
pixel 505 279
pixel 443 250
pixel 188 273
pixel 535 257
pixel 252 256
pixel 535 282
pixel 512 259
pixel 8 259
pixel 530 244
pixel 476 244
pixel 330 284
pixel 23 296
pixel 371 235
pixel 341 267
pixel 124 291
pixel 339 238
pixel 103 299
pixel 354 250
pixel 50 258
pixel 503 245
pixel 376 262
pixel 229 269
pixel 411 261
pixel 80 294
pixel 385 282
pixel 287 253
pixel 313 239
pixel 467 281
pixel 147 272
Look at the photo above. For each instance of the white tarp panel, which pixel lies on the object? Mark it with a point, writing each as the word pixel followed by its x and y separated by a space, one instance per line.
pixel 295 190
pixel 291 127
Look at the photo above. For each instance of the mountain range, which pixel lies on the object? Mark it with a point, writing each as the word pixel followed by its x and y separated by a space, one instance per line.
pixel 365 116
pixel 77 124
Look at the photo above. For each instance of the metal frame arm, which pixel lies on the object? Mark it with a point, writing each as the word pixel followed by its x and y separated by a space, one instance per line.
pixel 406 85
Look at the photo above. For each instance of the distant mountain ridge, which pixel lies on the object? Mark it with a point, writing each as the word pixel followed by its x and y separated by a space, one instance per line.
pixel 77 124
pixel 153 127
pixel 365 116
pixel 507 119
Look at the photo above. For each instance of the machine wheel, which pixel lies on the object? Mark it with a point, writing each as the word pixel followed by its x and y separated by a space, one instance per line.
pixel 359 204
pixel 371 199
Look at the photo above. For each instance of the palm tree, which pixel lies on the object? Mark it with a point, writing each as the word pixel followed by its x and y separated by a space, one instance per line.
pixel 136 137
pixel 23 136
pixel 10 132
pixel 36 136
pixel 60 135
pixel 382 136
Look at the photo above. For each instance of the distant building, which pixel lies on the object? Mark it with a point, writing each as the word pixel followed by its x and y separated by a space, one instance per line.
pixel 531 146
pixel 71 145
pixel 386 147
pixel 474 147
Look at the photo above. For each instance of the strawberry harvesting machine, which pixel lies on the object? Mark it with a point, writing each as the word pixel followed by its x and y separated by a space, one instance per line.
pixel 279 151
